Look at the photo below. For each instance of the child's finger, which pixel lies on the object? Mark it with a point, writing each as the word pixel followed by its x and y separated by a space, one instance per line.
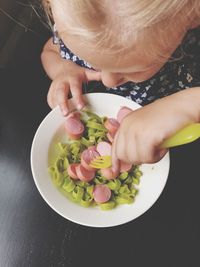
pixel 57 95
pixel 76 90
pixel 92 75
pixel 50 98
pixel 61 97
pixel 115 160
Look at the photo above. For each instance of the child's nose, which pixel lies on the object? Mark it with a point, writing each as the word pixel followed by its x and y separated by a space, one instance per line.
pixel 110 79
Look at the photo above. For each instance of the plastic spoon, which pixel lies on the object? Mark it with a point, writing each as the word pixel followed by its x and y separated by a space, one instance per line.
pixel 186 135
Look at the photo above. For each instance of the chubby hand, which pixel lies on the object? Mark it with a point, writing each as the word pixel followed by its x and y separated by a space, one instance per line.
pixel 142 132
pixel 69 79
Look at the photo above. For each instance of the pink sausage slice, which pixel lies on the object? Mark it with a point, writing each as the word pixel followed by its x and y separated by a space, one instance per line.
pixel 101 193
pixel 87 156
pixel 104 148
pixel 125 167
pixel 93 148
pixel 122 113
pixel 72 170
pixel 84 174
pixel 110 136
pixel 111 125
pixel 74 127
pixel 109 174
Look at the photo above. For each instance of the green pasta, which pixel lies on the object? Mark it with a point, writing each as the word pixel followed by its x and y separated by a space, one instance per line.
pixel 87 142
pixel 108 205
pixel 123 176
pixel 124 199
pixel 56 176
pixel 123 189
pixel 96 125
pixel 68 185
pixel 86 200
pixel 78 193
pixel 114 184
pixel 89 190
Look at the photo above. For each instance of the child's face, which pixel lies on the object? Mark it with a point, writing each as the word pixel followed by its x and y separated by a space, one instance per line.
pixel 119 68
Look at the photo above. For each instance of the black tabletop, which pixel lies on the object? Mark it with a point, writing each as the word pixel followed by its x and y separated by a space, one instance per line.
pixel 32 234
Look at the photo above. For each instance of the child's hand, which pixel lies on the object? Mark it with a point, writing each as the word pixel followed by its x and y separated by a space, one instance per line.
pixel 142 132
pixel 66 76
pixel 70 78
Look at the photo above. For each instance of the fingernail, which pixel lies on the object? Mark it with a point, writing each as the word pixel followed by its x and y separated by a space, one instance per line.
pixel 64 111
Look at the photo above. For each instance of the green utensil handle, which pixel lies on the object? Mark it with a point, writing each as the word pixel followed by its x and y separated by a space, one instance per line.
pixel 186 135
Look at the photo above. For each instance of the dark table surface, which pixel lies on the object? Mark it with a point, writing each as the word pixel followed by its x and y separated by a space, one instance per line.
pixel 32 234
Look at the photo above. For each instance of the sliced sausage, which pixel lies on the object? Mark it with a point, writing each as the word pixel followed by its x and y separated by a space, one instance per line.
pixel 108 173
pixel 74 127
pixel 92 148
pixel 122 113
pixel 104 148
pixel 101 193
pixel 84 174
pixel 87 156
pixel 72 170
pixel 110 136
pixel 111 125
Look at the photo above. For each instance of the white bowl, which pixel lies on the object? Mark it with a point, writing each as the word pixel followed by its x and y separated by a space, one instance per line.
pixel 51 131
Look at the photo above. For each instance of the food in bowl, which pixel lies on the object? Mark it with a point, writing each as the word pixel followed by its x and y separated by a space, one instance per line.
pixel 90 136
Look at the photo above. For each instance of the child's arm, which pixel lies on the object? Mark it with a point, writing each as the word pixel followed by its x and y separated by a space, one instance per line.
pixel 66 76
pixel 143 131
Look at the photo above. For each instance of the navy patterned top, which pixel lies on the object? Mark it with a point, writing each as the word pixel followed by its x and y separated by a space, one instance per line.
pixel 173 77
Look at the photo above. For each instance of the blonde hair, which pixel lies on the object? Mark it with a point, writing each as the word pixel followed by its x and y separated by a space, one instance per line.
pixel 117 25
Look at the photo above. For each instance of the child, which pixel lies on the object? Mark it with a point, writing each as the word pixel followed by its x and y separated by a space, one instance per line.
pixel 132 47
